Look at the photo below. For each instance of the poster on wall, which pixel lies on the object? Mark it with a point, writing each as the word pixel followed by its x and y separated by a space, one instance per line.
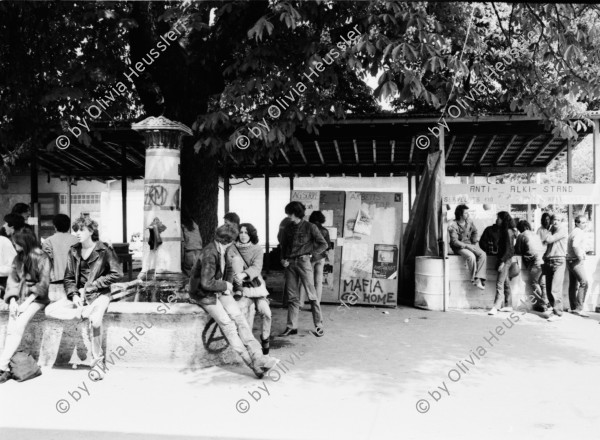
pixel 370 257
pixel 385 261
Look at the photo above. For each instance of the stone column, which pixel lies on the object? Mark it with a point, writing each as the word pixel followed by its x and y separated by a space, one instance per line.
pixel 162 195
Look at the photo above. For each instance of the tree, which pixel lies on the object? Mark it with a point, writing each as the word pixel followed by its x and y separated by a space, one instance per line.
pixel 236 59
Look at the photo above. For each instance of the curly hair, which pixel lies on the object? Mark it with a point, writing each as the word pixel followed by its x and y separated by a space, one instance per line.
pixel 88 223
pixel 252 232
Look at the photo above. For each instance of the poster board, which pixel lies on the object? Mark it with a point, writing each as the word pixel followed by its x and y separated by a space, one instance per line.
pixel 371 253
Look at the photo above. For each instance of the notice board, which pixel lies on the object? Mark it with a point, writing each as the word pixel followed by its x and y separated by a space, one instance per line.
pixel 371 248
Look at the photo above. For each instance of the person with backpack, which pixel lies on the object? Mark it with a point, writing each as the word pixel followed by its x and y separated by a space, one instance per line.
pixel 28 283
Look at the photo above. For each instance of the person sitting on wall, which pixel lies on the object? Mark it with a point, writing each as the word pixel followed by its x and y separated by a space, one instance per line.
pixel 28 280
pixel 489 239
pixel 301 240
pixel 57 248
pixel 506 251
pixel 7 255
pixel 209 290
pixel 463 241
pixel 578 280
pixel 554 267
pixel 530 247
pixel 92 266
pixel 244 263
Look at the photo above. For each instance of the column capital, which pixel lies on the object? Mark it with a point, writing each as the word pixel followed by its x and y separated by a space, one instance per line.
pixel 160 132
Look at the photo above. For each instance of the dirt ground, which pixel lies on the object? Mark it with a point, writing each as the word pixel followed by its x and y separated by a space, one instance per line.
pixel 376 374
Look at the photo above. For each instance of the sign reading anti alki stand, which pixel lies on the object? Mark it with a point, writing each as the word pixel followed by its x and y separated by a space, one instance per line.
pixel 560 193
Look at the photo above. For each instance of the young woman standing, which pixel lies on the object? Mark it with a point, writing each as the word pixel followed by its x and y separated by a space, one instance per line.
pixel 28 280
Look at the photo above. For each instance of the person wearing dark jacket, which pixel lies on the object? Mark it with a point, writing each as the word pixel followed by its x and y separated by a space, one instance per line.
pixel 28 281
pixel 530 247
pixel 300 242
pixel 489 239
pixel 318 260
pixel 92 266
pixel 506 250
pixel 214 294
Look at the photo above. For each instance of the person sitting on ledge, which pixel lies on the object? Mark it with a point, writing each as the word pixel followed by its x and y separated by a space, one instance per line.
pixel 210 291
pixel 92 266
pixel 463 241
pixel 29 280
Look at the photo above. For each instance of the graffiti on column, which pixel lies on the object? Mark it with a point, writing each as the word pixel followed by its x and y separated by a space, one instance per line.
pixel 155 195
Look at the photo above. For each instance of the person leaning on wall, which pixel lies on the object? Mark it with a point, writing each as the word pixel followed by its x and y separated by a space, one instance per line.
pixel 554 264
pixel 463 241
pixel 578 280
pixel 506 250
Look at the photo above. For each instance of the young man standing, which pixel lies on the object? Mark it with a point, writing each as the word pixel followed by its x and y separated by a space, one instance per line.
pixel 57 248
pixel 554 267
pixel 530 247
pixel 463 241
pixel 578 282
pixel 300 241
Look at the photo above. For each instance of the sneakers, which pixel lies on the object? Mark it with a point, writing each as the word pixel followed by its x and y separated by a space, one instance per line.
pixel 477 283
pixel 289 331
pixel 99 367
pixel 553 318
pixel 506 309
pixel 318 332
pixel 4 375
pixel 581 313
pixel 265 363
pixel 265 345
pixel 493 311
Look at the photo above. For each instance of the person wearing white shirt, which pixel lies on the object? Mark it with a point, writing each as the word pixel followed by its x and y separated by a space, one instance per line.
pixel 578 281
pixel 57 247
pixel 7 255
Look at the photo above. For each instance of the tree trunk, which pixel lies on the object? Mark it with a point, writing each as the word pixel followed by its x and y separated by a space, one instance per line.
pixel 200 189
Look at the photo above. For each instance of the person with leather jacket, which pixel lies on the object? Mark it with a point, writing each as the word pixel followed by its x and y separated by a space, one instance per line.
pixel 92 266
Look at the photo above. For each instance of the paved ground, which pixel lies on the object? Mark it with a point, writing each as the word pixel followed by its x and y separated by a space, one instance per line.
pixel 537 380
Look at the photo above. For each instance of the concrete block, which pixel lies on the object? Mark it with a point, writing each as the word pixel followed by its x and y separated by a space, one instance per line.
pixel 134 334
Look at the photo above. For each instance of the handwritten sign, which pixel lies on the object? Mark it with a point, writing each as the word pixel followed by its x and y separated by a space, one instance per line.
pixel 566 193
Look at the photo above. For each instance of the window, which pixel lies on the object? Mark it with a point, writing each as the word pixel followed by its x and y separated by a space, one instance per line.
pixel 81 199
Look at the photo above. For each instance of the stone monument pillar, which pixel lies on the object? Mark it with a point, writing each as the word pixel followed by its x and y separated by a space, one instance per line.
pixel 162 197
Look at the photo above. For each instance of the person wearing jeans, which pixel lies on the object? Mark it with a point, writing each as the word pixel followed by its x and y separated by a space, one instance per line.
pixel 463 238
pixel 29 280
pixel 318 260
pixel 57 248
pixel 506 251
pixel 244 263
pixel 92 266
pixel 214 294
pixel 578 281
pixel 530 247
pixel 301 240
pixel 554 264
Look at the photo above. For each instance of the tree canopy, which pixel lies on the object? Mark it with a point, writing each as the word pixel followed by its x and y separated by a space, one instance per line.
pixel 236 59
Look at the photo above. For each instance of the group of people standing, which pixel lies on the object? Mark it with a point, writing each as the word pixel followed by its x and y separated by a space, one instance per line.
pixel 545 254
